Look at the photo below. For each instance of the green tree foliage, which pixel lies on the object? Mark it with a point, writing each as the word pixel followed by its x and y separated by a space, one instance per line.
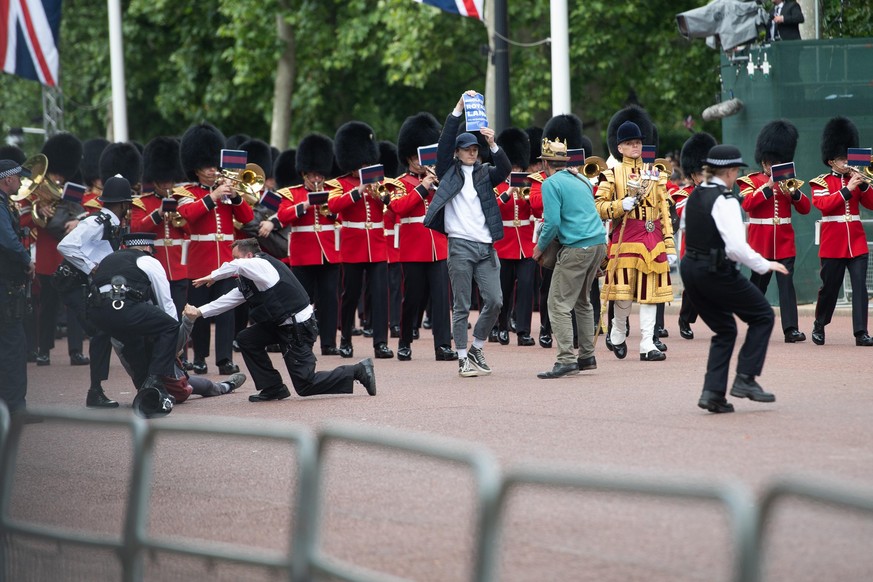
pixel 374 60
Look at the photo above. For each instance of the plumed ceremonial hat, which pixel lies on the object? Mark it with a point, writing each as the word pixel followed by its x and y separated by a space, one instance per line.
pixel 260 154
pixel 636 115
pixel 91 152
pixel 355 146
pixel 123 159
pixel 516 144
pixel 777 142
pixel 236 140
pixel 566 127
pixel 286 170
pixel 201 148
pixel 838 136
pixel 64 153
pixel 315 154
pixel 14 153
pixel 418 130
pixel 116 189
pixel 694 152
pixel 161 161
pixel 388 158
pixel 535 136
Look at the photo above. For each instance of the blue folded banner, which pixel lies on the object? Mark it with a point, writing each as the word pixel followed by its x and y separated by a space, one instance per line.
pixel 74 192
pixel 859 157
pixel 427 155
pixel 372 174
pixel 271 200
pixel 648 154
pixel 519 180
pixel 577 157
pixel 234 159
pixel 474 111
pixel 780 172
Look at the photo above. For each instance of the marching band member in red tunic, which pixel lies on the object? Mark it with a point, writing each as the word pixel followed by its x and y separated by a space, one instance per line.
pixel 210 212
pixel 515 249
pixel 389 160
pixel 768 205
pixel 362 238
pixel 839 196
pixel 422 251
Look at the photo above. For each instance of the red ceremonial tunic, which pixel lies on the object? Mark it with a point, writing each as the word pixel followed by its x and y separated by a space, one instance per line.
pixel 518 224
pixel 146 216
pixel 842 234
pixel 770 231
pixel 211 228
pixel 314 238
pixel 418 244
pixel 91 203
pixel 362 238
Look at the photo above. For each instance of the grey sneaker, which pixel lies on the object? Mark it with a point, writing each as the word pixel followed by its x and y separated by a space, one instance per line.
pixel 477 360
pixel 466 369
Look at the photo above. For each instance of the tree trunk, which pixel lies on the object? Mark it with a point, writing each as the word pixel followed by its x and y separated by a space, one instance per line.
pixel 280 128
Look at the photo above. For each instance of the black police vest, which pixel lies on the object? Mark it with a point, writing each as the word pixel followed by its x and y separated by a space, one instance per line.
pixel 701 233
pixel 280 301
pixel 123 263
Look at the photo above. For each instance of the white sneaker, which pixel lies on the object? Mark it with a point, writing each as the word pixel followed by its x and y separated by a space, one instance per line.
pixel 477 360
pixel 467 369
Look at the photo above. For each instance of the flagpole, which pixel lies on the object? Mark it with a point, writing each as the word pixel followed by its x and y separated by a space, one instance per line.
pixel 560 57
pixel 116 56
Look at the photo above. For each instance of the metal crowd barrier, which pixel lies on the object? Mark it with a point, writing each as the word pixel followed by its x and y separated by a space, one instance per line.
pixel 305 559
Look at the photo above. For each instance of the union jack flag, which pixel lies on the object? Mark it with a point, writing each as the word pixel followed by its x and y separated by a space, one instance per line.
pixel 471 8
pixel 30 30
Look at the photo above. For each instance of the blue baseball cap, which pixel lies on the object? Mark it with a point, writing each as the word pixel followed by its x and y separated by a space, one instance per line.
pixel 466 140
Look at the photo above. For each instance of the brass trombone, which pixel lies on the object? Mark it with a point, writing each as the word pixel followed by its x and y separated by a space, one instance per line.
pixel 43 191
pixel 248 183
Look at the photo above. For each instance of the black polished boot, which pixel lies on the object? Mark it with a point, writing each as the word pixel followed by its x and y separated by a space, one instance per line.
pixel 345 349
pixel 746 387
pixel 98 399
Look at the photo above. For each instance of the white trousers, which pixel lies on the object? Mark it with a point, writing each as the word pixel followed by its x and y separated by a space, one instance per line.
pixel 648 315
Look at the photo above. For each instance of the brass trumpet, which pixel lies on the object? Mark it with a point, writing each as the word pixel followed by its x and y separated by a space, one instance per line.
pixel 248 183
pixel 593 167
pixel 40 188
pixel 866 174
pixel 387 187
pixel 791 185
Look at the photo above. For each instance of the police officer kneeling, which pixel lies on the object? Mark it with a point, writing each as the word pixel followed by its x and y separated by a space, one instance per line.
pixel 282 315
pixel 130 300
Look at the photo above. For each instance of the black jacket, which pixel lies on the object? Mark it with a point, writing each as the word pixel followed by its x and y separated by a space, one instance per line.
pixel 793 18
pixel 485 178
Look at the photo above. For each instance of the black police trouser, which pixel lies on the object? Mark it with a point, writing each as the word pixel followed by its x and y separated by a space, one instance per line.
pixel 201 333
pixel 296 341
pixel 718 296
pixel 149 335
pixel 516 275
pixel 47 321
pixel 321 283
pixel 395 292
pixel 377 282
pixel 687 312
pixel 13 350
pixel 787 294
pixel 421 280
pixel 100 344
pixel 832 272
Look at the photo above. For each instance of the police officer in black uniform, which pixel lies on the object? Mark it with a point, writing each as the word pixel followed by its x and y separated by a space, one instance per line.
pixel 16 268
pixel 715 243
pixel 282 315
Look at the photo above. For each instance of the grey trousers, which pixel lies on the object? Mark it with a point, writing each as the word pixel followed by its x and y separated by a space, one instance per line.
pixel 469 260
pixel 570 292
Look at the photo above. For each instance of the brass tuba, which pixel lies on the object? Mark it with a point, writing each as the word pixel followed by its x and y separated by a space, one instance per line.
pixel 593 167
pixel 42 191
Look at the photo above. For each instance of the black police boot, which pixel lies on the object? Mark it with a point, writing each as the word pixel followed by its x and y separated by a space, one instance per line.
pixel 97 399
pixel 746 387
pixel 345 349
pixel 714 402
pixel 365 373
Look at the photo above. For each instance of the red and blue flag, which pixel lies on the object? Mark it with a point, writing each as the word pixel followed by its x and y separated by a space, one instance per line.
pixel 427 155
pixel 73 192
pixel 577 157
pixel 271 200
pixel 232 159
pixel 372 174
pixel 30 29
pixel 648 154
pixel 471 8
pixel 781 172
pixel 519 179
pixel 859 157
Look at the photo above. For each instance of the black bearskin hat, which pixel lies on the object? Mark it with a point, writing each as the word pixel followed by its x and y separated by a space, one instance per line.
pixel 694 152
pixel 566 127
pixel 274 153
pixel 355 146
pixel 516 144
pixel 535 135
pixel 92 150
pixel 260 154
pixel 14 153
pixel 124 159
pixel 315 154
pixel 388 158
pixel 418 130
pixel 838 136
pixel 636 115
pixel 587 146
pixel 776 143
pixel 201 148
pixel 285 169
pixel 161 161
pixel 235 141
pixel 64 153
